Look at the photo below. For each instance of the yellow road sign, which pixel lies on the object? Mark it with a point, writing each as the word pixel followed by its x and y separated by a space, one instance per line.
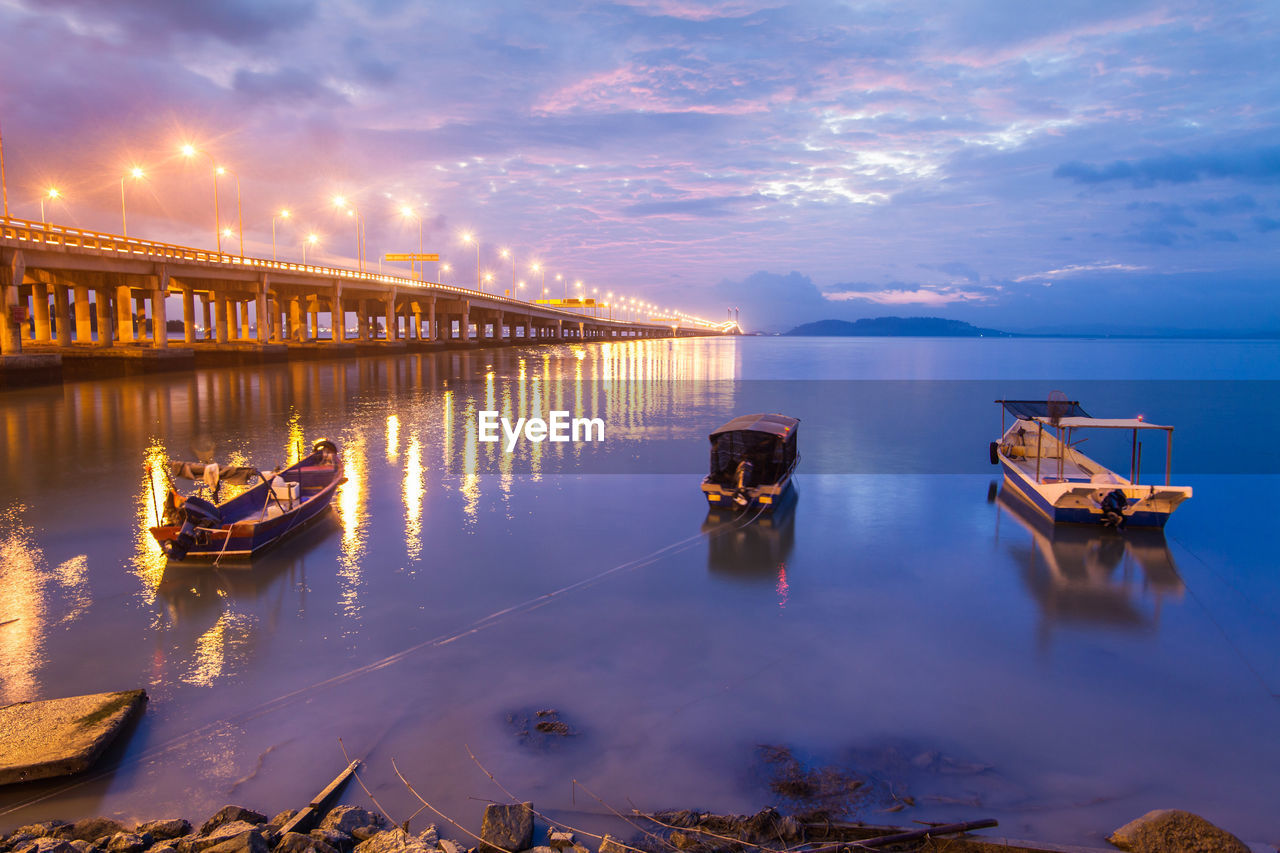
pixel 411 257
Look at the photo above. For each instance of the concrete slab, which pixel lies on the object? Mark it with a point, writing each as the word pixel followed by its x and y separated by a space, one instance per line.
pixel 58 737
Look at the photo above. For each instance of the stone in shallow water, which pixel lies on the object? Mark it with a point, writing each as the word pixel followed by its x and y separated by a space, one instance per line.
pixel 1175 831
pixel 57 737
pixel 506 827
pixel 163 830
pixel 231 814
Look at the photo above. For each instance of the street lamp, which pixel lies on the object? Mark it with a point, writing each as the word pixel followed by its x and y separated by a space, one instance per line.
pixel 52 194
pixel 408 213
pixel 441 269
pixel 341 203
pixel 189 150
pixel 559 277
pixel 538 268
pixel 284 214
pixel 311 240
pixel 488 277
pixel 468 237
pixel 137 174
pixel 239 214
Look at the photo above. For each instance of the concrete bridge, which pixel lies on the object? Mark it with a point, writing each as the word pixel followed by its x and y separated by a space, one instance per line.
pixel 110 297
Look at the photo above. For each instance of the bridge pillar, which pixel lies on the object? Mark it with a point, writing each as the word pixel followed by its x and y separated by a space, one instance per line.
pixel 393 320
pixel 62 315
pixel 242 332
pixel 222 311
pixel 314 333
pixel 188 315
pixel 40 310
pixel 297 320
pixel 11 275
pixel 415 324
pixel 362 320
pixel 124 313
pixel 206 300
pixel 260 309
pixel 102 306
pixel 464 327
pixel 433 330
pixel 160 314
pixel 582 329
pixel 84 322
pixel 498 320
pixel 337 317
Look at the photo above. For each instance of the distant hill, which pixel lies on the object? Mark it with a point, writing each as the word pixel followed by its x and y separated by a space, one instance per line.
pixel 910 327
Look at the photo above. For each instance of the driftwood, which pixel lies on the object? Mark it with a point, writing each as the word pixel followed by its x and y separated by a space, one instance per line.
pixel 929 831
pixel 303 820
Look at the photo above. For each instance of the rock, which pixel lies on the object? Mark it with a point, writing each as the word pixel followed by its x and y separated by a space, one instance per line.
pixel 506 827
pixel 540 849
pixel 57 737
pixel 84 846
pixel 231 814
pixel 46 844
pixel 296 842
pixel 1175 831
pixel 364 833
pixel 347 819
pixel 429 837
pixel 127 842
pixel 281 819
pixel 16 839
pixel 448 846
pixel 559 840
pixel 93 828
pixel 163 830
pixel 48 828
pixel 394 840
pixel 224 833
pixel 244 842
pixel 339 841
pixel 609 844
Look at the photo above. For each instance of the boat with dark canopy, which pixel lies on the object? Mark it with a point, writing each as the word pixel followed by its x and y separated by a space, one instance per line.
pixel 752 460
pixel 281 504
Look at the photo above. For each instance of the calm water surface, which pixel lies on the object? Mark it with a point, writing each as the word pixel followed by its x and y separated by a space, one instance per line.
pixel 911 627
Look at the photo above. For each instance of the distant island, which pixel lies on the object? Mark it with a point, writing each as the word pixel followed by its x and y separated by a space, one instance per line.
pixel 882 327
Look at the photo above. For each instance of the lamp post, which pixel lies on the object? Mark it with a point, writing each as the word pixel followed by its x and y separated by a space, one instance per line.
pixel 538 268
pixel 191 151
pixel 52 194
pixel 341 203
pixel 559 277
pixel 311 240
pixel 221 170
pixel 283 214
pixel 468 237
pixel 137 174
pixel 409 213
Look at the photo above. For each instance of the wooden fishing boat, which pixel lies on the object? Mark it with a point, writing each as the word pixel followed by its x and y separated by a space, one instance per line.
pixel 753 458
pixel 279 506
pixel 1042 465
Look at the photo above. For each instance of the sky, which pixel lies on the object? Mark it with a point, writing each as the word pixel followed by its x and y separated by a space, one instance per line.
pixel 1066 166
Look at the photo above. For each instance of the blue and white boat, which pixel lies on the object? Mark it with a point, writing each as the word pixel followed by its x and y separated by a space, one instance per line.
pixel 280 505
pixel 1038 455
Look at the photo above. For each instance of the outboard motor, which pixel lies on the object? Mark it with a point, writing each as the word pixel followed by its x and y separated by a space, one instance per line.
pixel 199 513
pixel 742 482
pixel 1113 505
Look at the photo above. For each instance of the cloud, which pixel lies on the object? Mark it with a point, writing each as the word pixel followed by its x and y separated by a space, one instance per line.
pixel 234 21
pixel 285 84
pixel 1260 165
pixel 932 296
pixel 711 206
pixel 1080 269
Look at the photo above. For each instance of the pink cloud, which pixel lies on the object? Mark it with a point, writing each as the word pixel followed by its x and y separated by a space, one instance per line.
pixel 919 296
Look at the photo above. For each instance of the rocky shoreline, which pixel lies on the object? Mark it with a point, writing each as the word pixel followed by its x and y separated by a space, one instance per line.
pixel 511 829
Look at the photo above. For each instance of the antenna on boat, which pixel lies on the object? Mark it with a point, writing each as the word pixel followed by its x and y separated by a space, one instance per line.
pixel 1058 407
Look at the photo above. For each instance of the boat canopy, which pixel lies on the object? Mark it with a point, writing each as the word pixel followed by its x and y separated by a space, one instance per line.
pixel 767 441
pixel 1103 423
pixel 774 424
pixel 1039 409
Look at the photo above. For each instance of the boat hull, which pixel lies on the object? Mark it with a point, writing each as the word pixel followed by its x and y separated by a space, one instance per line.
pixel 764 497
pixel 1058 505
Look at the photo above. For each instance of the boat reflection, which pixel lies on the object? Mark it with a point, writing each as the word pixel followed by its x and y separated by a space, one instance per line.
pixel 1090 576
pixel 757 552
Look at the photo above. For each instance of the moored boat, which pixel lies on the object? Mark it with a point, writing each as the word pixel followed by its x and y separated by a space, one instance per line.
pixel 1042 465
pixel 753 458
pixel 280 505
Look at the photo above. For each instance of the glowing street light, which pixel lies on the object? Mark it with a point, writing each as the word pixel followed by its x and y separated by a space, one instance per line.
pixel 188 150
pixel 311 240
pixel 53 194
pixel 488 277
pixel 137 174
pixel 341 203
pixel 468 237
pixel 538 268
pixel 408 213
pixel 283 214
pixel 239 214
pixel 506 253
pixel 441 269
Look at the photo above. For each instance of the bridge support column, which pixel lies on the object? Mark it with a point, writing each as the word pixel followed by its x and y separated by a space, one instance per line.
pixel 297 321
pixel 314 333
pixel 102 306
pixel 393 320
pixel 582 330
pixel 84 321
pixel 40 310
pixel 433 333
pixel 62 315
pixel 415 322
pixel 124 314
pixel 160 314
pixel 242 331
pixel 188 315
pixel 222 309
pixel 264 324
pixel 337 317
pixel 206 300
pixel 464 327
pixel 11 275
pixel 140 316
